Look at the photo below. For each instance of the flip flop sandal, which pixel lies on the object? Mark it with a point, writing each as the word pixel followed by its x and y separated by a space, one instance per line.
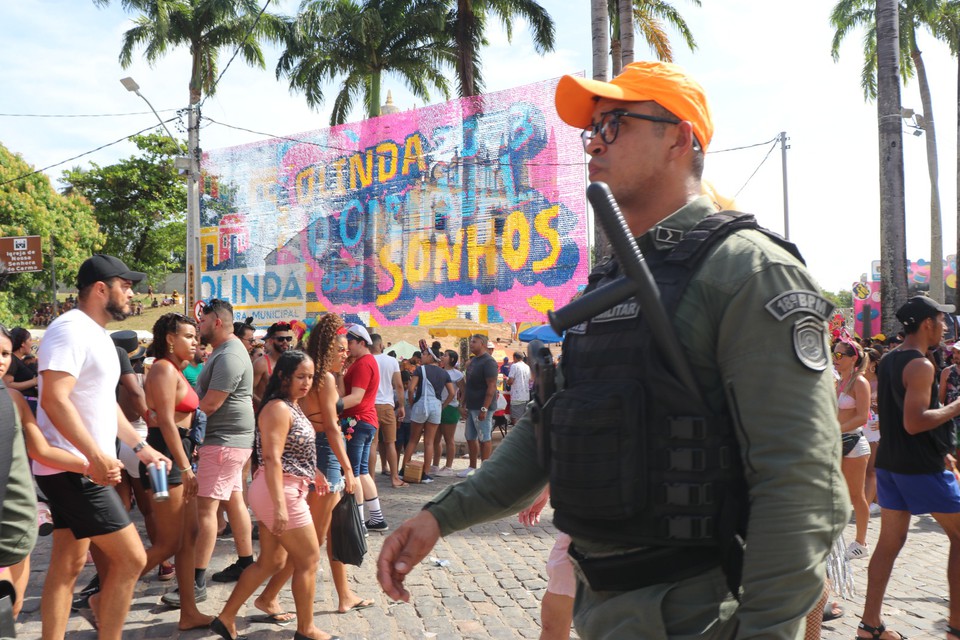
pixel 876 632
pixel 832 613
pixel 363 604
pixel 283 618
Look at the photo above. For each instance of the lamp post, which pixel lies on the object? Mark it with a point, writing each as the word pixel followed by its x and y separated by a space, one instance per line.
pixel 192 164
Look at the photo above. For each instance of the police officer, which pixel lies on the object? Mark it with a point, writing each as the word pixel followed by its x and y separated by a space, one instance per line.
pixel 662 494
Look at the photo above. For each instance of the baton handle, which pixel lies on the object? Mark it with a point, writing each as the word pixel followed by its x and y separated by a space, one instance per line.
pixel 592 304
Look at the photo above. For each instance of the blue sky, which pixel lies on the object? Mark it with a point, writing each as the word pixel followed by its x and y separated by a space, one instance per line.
pixel 766 67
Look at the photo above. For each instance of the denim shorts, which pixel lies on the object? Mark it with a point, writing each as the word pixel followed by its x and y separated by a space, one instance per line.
pixel 478 429
pixel 427 409
pixel 358 447
pixel 328 464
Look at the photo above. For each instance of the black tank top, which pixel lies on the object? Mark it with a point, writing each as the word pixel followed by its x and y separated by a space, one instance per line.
pixel 899 451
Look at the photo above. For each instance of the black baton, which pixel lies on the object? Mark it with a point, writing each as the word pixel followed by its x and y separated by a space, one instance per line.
pixel 637 281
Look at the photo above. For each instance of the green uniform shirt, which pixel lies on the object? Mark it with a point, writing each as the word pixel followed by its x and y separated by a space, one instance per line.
pixel 752 324
pixel 18 529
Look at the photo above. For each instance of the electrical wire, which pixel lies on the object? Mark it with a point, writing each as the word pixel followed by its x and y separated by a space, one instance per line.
pixel 86 153
pixel 81 115
pixel 769 151
pixel 749 146
pixel 213 88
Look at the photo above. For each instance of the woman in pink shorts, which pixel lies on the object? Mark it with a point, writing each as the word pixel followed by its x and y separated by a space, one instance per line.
pixel 556 608
pixel 284 458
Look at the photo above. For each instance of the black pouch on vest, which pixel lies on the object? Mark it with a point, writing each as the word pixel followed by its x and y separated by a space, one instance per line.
pixel 850 440
pixel 598 452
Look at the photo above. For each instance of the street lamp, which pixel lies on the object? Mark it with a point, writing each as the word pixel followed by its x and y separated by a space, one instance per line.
pixel 913 120
pixel 191 164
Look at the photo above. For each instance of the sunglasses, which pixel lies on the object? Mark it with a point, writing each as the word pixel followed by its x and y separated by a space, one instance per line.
pixel 839 354
pixel 609 126
pixel 283 338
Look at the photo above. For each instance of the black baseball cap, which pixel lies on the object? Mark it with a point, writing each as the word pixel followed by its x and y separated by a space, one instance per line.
pixel 101 267
pixel 919 308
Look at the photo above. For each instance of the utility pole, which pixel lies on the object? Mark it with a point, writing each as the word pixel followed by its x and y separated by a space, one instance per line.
pixel 53 274
pixel 786 203
pixel 193 210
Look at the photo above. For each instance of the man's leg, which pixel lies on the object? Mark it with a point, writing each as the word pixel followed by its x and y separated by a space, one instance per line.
pixel 473 448
pixel 67 556
pixel 206 531
pixel 240 523
pixel 125 560
pixel 893 533
pixel 951 526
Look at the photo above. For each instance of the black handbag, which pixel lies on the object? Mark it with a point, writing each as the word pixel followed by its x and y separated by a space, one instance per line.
pixel 347 542
pixel 850 440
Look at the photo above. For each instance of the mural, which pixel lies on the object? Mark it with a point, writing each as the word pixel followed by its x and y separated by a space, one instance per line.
pixel 866 294
pixel 471 208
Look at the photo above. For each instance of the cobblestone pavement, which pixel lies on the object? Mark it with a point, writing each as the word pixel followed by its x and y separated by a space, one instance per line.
pixel 491 588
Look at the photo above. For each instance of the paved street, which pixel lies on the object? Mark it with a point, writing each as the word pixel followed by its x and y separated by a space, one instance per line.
pixel 491 588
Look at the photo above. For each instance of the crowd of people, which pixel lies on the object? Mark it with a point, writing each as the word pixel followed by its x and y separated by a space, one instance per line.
pixel 281 429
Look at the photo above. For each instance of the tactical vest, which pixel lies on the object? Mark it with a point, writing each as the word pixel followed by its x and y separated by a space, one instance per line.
pixel 634 459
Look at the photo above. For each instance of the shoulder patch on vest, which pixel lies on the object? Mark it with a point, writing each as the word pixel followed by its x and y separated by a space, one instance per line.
pixel 668 236
pixel 810 343
pixel 799 301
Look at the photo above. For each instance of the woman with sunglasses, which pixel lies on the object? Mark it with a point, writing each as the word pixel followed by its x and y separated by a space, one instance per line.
pixel 853 404
pixel 285 458
pixel 172 403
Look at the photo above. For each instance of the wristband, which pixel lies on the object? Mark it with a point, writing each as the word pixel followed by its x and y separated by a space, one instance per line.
pixel 185 469
pixel 139 446
pixel 339 406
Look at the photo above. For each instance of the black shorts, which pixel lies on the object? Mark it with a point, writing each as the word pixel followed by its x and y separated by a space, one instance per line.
pixel 155 440
pixel 87 509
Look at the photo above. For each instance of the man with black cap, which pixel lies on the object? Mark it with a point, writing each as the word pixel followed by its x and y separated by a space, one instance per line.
pixel 700 510
pixel 915 471
pixel 78 412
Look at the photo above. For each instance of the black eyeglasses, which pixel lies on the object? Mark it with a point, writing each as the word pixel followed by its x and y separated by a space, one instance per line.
pixel 609 126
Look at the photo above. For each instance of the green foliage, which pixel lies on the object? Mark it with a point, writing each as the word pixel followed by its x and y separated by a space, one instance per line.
pixel 843 299
pixel 140 204
pixel 357 43
pixel 30 206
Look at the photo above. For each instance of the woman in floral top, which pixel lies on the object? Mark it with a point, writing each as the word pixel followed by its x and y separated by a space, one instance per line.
pixel 285 457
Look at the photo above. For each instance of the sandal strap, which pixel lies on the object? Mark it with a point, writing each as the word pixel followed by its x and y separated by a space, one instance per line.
pixel 876 632
pixel 953 631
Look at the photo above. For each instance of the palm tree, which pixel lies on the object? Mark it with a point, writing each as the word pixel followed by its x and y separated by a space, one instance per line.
pixel 361 42
pixel 466 22
pixel 650 18
pixel 204 26
pixel 600 29
pixel 946 27
pixel 912 14
pixel 893 231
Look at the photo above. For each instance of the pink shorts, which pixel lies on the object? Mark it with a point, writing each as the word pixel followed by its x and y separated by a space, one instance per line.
pixel 220 471
pixel 295 489
pixel 560 578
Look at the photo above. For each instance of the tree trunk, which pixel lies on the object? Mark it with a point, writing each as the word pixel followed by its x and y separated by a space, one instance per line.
pixel 465 31
pixel 936 226
pixel 893 233
pixel 373 95
pixel 956 277
pixel 600 27
pixel 626 32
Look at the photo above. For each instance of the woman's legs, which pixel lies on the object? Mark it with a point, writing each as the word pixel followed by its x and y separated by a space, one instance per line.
pixel 304 553
pixel 446 432
pixel 169 524
pixel 271 559
pixel 190 616
pixel 416 429
pixel 855 473
pixel 429 435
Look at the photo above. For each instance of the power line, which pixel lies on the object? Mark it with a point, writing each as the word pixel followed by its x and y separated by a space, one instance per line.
pixel 86 153
pixel 80 115
pixel 749 146
pixel 769 151
pixel 213 88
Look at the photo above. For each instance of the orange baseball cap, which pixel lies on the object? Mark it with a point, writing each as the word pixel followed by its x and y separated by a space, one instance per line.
pixel 662 82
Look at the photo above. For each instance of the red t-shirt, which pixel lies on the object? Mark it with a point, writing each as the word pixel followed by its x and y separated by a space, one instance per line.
pixel 363 373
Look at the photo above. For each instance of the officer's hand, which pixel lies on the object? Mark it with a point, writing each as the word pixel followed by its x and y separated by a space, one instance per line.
pixel 404 550
pixel 531 515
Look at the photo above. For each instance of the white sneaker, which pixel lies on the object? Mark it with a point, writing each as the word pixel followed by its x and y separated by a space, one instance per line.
pixel 443 472
pixel 434 469
pixel 466 473
pixel 857 551
pixel 874 509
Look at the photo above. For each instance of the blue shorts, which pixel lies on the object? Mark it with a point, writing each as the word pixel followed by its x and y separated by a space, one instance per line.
pixel 328 464
pixel 918 493
pixel 478 429
pixel 358 447
pixel 403 434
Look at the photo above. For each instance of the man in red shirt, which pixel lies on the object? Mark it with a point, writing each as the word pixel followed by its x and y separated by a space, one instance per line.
pixel 359 420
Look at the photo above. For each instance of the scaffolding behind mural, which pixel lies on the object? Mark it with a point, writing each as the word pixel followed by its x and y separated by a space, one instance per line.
pixel 472 208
